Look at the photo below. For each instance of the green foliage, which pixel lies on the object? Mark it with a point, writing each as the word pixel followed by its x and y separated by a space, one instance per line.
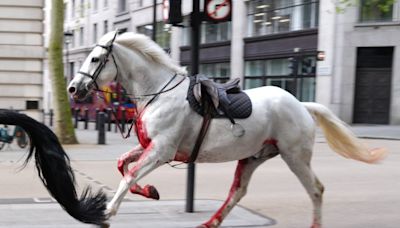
pixel 383 5
pixel 63 125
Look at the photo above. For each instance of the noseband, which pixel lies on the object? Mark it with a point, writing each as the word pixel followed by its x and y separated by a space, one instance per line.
pixel 102 63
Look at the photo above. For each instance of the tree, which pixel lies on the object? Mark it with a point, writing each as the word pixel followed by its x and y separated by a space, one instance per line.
pixel 64 128
pixel 383 6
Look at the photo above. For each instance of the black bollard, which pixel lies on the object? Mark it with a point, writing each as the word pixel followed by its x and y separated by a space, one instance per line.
pixel 97 119
pixel 123 120
pixel 109 118
pixel 51 117
pixel 76 114
pixel 86 118
pixel 101 139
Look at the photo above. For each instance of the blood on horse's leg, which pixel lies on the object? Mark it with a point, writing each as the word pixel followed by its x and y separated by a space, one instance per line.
pixel 147 191
pixel 127 158
pixel 146 163
pixel 244 170
pixel 133 155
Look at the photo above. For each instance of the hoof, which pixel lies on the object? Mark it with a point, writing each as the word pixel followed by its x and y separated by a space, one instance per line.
pixel 105 225
pixel 202 226
pixel 152 192
pixel 147 191
pixel 316 225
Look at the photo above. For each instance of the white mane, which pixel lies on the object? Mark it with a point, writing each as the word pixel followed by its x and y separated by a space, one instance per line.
pixel 149 49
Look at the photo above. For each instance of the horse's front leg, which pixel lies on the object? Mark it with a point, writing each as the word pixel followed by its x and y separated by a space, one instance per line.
pixel 151 158
pixel 133 155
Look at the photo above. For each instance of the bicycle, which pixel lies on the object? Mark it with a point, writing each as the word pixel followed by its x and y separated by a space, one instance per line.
pixel 19 134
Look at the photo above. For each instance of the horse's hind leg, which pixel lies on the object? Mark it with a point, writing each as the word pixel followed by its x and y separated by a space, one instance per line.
pixel 244 170
pixel 133 155
pixel 298 161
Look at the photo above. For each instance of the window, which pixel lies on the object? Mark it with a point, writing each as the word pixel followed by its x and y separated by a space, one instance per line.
pixel 376 11
pixel 121 6
pixel 220 72
pixel 163 33
pixel 210 32
pixel 71 70
pixel 276 72
pixel 82 8
pixel 81 36
pixel 105 3
pixel 72 39
pixel 95 33
pixel 95 5
pixel 275 16
pixel 30 105
pixel 105 27
pixel 73 6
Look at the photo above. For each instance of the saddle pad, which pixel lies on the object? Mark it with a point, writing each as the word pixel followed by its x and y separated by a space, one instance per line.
pixel 239 108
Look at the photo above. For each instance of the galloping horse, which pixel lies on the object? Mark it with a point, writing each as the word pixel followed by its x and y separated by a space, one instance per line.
pixel 167 127
pixel 55 172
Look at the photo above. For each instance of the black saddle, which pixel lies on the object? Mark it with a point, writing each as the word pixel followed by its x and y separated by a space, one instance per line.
pixel 222 100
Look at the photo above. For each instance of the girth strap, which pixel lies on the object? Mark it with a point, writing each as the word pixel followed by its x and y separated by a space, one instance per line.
pixel 203 131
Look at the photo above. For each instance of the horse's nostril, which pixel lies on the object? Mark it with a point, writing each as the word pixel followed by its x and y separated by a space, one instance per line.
pixel 71 90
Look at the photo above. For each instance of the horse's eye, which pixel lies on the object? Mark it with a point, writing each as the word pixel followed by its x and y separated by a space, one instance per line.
pixel 95 59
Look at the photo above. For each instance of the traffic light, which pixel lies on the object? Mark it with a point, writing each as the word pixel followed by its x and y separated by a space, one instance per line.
pixel 293 66
pixel 175 12
pixel 306 66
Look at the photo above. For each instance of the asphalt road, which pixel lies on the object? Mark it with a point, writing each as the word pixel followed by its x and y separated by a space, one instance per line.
pixel 357 195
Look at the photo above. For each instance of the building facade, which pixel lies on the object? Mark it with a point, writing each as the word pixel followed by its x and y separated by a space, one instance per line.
pixel 360 77
pixel 269 42
pixel 21 55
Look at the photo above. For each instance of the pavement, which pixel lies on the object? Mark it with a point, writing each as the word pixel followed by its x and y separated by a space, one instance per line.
pixel 357 195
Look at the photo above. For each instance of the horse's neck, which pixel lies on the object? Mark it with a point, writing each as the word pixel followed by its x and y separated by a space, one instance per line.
pixel 139 77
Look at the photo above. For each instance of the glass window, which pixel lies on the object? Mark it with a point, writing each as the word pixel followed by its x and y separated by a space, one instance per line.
pixel 254 68
pixel 73 8
pixel 210 32
pixel 82 8
pixel 81 36
pixel 95 5
pixel 276 72
pixel 220 72
pixel 121 6
pixel 376 11
pixel 277 67
pixel 275 16
pixel 95 33
pixel 105 3
pixel 105 27
pixel 163 33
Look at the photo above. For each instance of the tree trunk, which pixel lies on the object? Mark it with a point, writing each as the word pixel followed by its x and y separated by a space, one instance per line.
pixel 64 128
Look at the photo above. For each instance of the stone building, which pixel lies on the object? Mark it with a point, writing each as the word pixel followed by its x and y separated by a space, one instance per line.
pixel 21 55
pixel 272 42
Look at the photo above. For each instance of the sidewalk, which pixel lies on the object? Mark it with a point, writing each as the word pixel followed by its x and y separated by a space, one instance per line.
pixel 390 132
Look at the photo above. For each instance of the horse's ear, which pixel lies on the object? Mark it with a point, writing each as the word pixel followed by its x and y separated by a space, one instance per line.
pixel 115 36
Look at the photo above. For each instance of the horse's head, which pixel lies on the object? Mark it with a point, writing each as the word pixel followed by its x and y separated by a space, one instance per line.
pixel 98 69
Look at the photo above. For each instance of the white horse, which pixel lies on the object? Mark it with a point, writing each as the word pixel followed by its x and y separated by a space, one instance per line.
pixel 167 127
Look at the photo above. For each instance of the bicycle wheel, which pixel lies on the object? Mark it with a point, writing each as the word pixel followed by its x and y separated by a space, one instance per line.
pixel 22 139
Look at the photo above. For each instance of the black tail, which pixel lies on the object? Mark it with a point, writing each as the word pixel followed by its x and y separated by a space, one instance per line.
pixel 54 170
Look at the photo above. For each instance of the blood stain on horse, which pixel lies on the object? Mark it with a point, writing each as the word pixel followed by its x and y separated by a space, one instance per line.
pixel 181 156
pixel 132 172
pixel 218 216
pixel 141 131
pixel 271 141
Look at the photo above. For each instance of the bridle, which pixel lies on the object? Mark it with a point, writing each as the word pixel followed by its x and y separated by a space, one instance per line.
pixel 102 63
